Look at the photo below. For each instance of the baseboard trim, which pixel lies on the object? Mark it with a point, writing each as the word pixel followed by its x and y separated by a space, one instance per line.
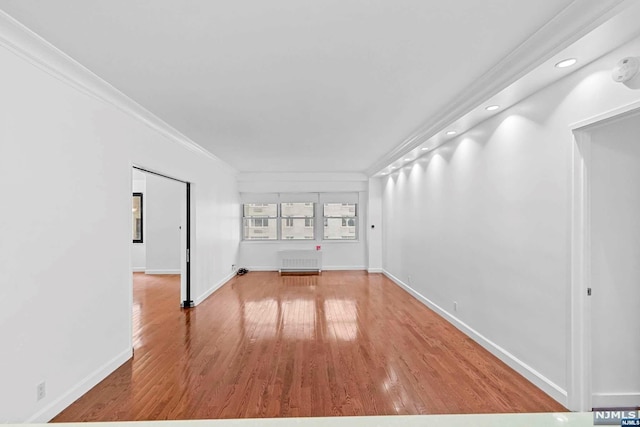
pixel 375 270
pixel 343 268
pixel 58 405
pixel 163 271
pixel 535 377
pixel 324 268
pixel 262 268
pixel 214 288
pixel 139 269
pixel 615 400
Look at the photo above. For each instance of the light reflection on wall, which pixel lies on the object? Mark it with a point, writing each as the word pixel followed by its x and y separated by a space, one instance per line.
pixel 342 318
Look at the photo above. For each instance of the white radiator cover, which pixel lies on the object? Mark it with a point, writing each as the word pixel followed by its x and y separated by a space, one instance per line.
pixel 299 261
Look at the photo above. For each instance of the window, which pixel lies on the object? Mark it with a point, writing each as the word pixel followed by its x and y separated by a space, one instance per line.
pixel 300 217
pixel 136 211
pixel 297 221
pixel 260 221
pixel 340 221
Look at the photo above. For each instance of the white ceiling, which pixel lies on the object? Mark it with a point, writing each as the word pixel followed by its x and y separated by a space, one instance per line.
pixel 295 85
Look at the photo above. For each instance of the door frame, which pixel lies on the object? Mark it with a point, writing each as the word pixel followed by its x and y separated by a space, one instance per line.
pixel 186 252
pixel 579 389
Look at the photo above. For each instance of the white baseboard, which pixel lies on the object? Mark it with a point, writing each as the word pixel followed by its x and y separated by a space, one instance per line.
pixel 261 268
pixel 139 269
pixel 324 268
pixel 375 270
pixel 615 400
pixel 539 380
pixel 55 407
pixel 214 288
pixel 343 267
pixel 178 271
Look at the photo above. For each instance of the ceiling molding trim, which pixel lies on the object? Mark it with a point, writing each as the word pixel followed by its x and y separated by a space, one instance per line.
pixel 302 177
pixel 28 45
pixel 572 23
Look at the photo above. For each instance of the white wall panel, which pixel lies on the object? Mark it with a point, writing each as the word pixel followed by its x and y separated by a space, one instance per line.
pixel 65 296
pixel 165 199
pixel 615 254
pixel 484 222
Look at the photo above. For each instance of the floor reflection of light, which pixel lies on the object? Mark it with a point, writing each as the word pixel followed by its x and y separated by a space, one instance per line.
pixel 136 325
pixel 299 319
pixel 341 316
pixel 261 318
pixel 395 391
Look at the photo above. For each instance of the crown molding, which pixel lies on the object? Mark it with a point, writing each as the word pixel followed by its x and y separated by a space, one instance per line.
pixel 572 23
pixel 28 45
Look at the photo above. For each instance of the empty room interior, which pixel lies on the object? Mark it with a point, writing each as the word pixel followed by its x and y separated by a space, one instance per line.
pixel 413 210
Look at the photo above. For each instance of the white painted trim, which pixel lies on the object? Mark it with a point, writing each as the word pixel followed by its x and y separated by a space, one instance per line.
pixel 178 271
pixel 579 351
pixel 579 363
pixel 535 377
pixel 616 113
pixel 262 268
pixel 375 270
pixel 572 23
pixel 28 45
pixel 343 267
pixel 138 269
pixel 324 268
pixel 616 400
pixel 214 288
pixel 55 407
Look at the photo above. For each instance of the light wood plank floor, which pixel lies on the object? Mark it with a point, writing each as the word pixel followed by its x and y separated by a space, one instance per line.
pixel 343 343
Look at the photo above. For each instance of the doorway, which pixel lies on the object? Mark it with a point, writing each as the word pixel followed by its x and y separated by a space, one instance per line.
pixel 167 223
pixel 605 290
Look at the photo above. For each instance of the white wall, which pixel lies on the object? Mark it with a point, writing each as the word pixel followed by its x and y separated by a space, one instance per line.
pixel 374 235
pixel 139 250
pixel 165 198
pixel 342 255
pixel 65 291
pixel 614 177
pixel 484 222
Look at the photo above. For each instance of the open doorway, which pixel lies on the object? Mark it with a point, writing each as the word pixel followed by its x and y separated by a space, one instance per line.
pixel 604 349
pixel 161 219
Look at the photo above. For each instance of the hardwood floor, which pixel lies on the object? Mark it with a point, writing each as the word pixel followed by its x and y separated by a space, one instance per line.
pixel 343 343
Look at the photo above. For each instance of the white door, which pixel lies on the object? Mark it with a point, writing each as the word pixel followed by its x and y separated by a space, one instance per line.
pixel 615 263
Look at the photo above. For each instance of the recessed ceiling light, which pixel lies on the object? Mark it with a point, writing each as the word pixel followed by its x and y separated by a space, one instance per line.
pixel 451 132
pixel 492 107
pixel 566 63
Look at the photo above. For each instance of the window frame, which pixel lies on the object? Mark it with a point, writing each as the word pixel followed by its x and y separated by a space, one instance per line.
pixel 292 218
pixel 252 220
pixel 345 219
pixel 318 218
pixel 141 196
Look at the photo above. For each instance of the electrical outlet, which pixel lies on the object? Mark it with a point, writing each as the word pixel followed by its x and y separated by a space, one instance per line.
pixel 233 267
pixel 455 306
pixel 41 390
pixel 409 279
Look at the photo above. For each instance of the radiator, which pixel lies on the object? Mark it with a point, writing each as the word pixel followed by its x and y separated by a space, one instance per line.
pixel 300 261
